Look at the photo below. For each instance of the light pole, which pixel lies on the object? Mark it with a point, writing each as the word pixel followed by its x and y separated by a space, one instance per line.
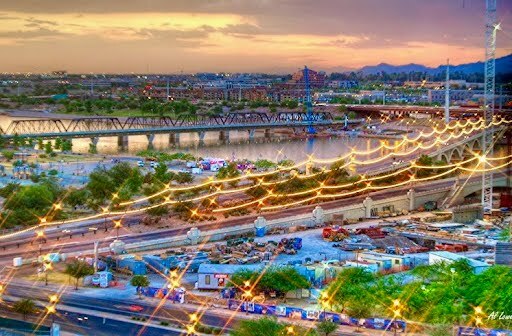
pixel 117 226
pixel 47 268
pixel 52 308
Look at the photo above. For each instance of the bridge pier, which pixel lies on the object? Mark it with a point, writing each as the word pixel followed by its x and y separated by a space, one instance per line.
pixel 267 133
pixel 368 205
pixel 122 141
pixel 201 135
pixel 150 137
pixel 93 146
pixel 252 132
pixel 224 135
pixel 411 194
pixel 174 139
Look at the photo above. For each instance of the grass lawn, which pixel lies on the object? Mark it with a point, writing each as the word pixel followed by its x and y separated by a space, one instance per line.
pixel 53 277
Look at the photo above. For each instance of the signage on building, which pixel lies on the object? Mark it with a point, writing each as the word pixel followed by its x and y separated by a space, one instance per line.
pixel 221 276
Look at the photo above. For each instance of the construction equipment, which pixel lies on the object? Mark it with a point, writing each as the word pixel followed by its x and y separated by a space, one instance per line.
pixel 372 232
pixel 452 247
pixel 335 233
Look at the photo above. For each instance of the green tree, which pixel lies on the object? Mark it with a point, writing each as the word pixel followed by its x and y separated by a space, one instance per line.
pixel 88 106
pixel 162 173
pixel 10 189
pixel 139 281
pixel 8 155
pixel 268 326
pixel 100 185
pixel 264 164
pixel 359 310
pixel 24 307
pixel 77 197
pixel 58 144
pixel 326 327
pixel 183 178
pixel 78 269
pixel 36 197
pixel 348 286
pixel 230 171
pixel 48 148
pixel 67 145
pixel 275 279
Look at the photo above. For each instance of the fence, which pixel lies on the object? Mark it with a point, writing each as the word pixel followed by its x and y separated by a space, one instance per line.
pixel 470 331
pixel 313 315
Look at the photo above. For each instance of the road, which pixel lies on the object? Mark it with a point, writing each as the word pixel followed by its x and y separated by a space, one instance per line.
pixel 91 316
pixel 73 308
pixel 55 241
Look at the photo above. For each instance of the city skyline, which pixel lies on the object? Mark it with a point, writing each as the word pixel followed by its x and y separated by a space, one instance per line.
pixel 241 36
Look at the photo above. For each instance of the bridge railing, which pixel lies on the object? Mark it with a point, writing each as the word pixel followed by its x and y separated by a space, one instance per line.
pixel 92 124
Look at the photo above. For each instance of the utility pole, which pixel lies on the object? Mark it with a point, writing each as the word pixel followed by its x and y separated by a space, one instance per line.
pixel 447 94
pixel 489 86
pixel 168 89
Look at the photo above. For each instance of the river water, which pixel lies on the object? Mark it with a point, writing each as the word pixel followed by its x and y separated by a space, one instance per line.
pixel 278 147
pixel 275 148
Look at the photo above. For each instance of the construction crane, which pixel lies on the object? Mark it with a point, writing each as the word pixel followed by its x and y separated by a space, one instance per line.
pixel 489 85
pixel 447 94
pixel 309 105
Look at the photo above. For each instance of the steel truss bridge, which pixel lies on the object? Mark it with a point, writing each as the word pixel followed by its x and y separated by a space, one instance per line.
pixel 88 127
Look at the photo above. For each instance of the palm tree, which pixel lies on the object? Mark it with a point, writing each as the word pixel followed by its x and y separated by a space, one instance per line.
pixel 78 269
pixel 24 307
pixel 139 281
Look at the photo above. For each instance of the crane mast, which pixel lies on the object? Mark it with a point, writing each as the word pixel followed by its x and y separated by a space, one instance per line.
pixel 489 87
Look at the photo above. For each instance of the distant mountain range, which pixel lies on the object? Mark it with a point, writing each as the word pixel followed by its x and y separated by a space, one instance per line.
pixel 503 66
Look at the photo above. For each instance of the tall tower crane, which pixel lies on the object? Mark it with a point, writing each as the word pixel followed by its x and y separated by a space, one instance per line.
pixel 309 105
pixel 489 86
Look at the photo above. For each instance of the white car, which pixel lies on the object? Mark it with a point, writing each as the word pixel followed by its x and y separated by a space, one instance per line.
pixel 153 164
pixel 140 163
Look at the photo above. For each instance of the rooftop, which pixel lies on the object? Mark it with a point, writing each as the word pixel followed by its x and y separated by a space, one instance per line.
pixel 456 257
pixel 225 268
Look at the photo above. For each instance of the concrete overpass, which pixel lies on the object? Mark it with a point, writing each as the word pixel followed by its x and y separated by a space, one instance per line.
pixel 405 110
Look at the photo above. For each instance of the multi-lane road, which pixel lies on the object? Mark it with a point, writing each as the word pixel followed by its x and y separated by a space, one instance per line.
pixel 56 242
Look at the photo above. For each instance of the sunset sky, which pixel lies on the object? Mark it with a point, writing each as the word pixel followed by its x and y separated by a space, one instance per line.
pixel 169 36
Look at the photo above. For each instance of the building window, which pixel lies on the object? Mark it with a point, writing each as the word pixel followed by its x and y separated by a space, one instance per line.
pixel 397 261
pixel 207 279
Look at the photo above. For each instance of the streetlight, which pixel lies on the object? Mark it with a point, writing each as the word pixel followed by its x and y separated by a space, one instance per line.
pixel 324 301
pixel 397 306
pixel 51 309
pixel 117 226
pixel 47 268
